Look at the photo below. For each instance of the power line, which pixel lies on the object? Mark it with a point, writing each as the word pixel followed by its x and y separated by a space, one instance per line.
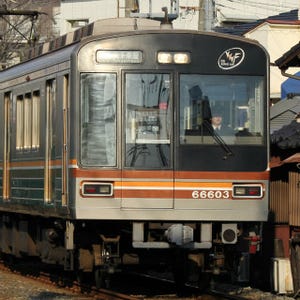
pixel 241 5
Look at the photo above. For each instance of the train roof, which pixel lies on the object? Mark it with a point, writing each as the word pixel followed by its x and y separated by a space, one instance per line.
pixel 100 27
pixel 67 43
pixel 111 26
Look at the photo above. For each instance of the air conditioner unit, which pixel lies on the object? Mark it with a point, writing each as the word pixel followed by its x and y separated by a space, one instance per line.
pixel 282 276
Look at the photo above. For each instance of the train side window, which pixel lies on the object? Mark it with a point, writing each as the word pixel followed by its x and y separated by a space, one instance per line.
pixel 28 121
pixel 20 123
pixel 35 120
pixel 98 119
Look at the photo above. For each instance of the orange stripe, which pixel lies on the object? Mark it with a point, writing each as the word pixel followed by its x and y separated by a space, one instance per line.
pixel 39 163
pixel 178 185
pixel 130 174
pixel 144 174
pixel 27 164
pixel 97 173
pixel 223 175
pixel 203 184
pixel 122 173
pixel 154 184
pixel 166 174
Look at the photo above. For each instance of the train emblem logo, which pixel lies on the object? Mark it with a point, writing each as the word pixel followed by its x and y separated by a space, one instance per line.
pixel 231 58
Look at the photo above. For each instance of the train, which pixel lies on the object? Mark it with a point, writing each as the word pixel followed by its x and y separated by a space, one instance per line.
pixel 109 159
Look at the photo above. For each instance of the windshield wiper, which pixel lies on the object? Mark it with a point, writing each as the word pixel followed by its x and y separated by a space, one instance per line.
pixel 218 139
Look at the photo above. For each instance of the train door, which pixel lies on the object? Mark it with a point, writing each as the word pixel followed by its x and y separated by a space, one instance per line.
pixel 6 146
pixel 49 146
pixel 148 141
pixel 65 140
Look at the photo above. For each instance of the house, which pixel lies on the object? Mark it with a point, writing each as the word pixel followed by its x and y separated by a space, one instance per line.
pixel 230 13
pixel 285 165
pixel 283 112
pixel 271 32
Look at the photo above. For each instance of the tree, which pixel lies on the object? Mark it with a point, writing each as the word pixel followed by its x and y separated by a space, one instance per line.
pixel 21 28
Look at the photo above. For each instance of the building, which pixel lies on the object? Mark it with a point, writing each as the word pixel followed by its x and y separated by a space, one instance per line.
pixel 230 13
pixel 285 165
pixel 277 36
pixel 192 14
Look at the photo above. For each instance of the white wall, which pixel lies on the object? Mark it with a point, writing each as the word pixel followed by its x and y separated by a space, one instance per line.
pixel 188 15
pixel 93 10
pixel 277 39
pixel 90 10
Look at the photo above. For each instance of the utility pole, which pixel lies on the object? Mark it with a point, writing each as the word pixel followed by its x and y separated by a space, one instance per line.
pixel 17 26
pixel 201 19
pixel 206 15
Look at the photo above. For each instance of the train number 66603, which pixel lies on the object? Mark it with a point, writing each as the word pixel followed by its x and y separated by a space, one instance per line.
pixel 211 194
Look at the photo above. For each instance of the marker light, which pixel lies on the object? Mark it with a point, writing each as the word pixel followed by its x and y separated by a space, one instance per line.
pixel 165 58
pixel 119 56
pixel 247 191
pixel 173 57
pixel 182 58
pixel 96 189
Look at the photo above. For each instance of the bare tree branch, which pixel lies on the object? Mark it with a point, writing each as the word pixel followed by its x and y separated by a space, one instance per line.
pixel 21 28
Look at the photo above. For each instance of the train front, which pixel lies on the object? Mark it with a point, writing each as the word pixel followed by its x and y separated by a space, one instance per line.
pixel 154 172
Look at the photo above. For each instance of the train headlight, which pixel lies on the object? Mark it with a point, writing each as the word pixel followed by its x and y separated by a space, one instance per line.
pixel 247 191
pixel 182 58
pixel 164 57
pixel 96 189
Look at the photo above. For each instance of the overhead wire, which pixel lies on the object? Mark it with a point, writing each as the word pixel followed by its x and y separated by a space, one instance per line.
pixel 241 5
pixel 266 4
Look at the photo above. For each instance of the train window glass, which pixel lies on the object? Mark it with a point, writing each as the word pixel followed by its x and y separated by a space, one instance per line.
pixel 28 121
pixel 148 120
pixel 19 123
pixel 36 120
pixel 98 119
pixel 235 101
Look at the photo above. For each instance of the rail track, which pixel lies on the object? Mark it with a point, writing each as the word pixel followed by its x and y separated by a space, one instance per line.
pixel 52 278
pixel 132 286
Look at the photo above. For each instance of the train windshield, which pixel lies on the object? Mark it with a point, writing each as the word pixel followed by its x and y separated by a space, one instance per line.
pixel 213 111
pixel 230 107
pixel 148 120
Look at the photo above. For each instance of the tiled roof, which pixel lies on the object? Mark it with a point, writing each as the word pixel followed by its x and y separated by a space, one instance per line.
pixel 280 107
pixel 288 137
pixel 289 58
pixel 283 113
pixel 241 29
